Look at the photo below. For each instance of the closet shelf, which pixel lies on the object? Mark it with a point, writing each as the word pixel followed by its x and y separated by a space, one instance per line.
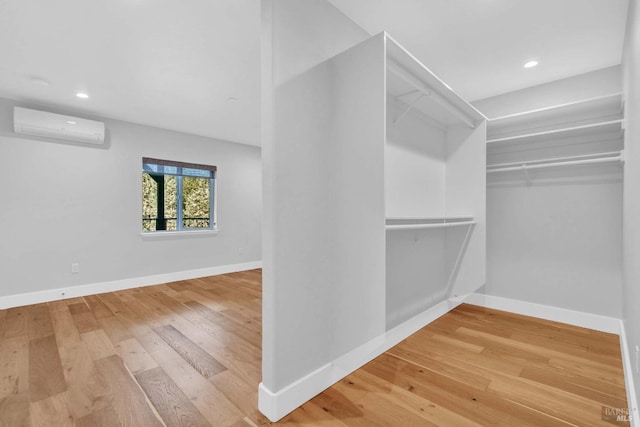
pixel 422 223
pixel 610 157
pixel 610 104
pixel 566 132
pixel 429 95
pixel 425 93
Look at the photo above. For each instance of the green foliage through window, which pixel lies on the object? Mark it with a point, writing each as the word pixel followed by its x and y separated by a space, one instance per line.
pixel 177 196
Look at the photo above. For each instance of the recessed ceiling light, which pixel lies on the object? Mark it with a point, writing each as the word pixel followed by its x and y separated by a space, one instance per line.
pixel 530 64
pixel 71 122
pixel 82 95
pixel 232 99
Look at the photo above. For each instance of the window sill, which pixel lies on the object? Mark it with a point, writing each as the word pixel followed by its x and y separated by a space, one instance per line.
pixel 178 234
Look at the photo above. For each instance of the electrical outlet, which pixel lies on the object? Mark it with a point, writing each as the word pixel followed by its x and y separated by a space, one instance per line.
pixel 75 268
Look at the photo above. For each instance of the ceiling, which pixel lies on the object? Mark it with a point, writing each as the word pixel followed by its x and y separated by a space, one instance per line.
pixel 161 63
pixel 196 69
pixel 479 46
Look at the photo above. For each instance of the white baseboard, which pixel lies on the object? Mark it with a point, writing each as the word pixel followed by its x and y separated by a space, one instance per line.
pixel 18 300
pixel 629 372
pixel 556 314
pixel 275 405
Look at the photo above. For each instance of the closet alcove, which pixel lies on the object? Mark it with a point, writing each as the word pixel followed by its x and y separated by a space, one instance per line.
pixel 555 194
pixel 585 132
pixel 434 202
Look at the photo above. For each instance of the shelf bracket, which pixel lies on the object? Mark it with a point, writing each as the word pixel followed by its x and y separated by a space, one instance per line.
pixel 409 107
pixel 399 71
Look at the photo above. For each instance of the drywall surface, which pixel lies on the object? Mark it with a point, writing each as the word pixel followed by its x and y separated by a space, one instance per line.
pixel 296 37
pixel 67 203
pixel 409 171
pixel 466 196
pixel 415 155
pixel 631 212
pixel 557 241
pixel 409 290
pixel 306 33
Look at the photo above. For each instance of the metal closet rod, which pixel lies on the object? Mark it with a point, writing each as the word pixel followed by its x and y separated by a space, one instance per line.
pixel 429 225
pixel 421 87
pixel 617 156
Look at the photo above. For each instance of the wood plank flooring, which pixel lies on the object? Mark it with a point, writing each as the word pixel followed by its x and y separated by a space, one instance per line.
pixel 188 354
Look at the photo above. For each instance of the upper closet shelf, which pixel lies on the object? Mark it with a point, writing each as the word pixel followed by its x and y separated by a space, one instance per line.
pixel 421 223
pixel 572 114
pixel 415 87
pixel 605 127
pixel 610 102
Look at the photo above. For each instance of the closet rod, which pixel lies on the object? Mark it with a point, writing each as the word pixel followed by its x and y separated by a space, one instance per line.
pixel 432 225
pixel 525 166
pixel 404 75
pixel 557 159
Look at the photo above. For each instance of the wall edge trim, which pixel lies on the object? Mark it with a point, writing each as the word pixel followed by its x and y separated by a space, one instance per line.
pixel 577 318
pixel 627 368
pixel 17 300
pixel 275 405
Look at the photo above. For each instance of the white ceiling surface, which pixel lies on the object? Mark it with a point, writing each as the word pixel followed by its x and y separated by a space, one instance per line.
pixel 157 62
pixel 478 47
pixel 175 64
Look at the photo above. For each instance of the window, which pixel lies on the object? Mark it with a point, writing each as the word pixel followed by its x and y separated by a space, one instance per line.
pixel 177 196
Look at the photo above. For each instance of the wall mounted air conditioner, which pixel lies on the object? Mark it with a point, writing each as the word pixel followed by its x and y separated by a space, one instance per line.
pixel 50 125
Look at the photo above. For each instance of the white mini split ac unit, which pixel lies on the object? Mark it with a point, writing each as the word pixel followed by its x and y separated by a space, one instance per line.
pixel 50 125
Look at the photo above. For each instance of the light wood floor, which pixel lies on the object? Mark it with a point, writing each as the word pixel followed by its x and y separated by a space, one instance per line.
pixel 188 354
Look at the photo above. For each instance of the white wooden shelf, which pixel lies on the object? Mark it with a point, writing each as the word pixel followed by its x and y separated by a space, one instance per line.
pixel 415 86
pixel 611 103
pixel 609 126
pixel 592 110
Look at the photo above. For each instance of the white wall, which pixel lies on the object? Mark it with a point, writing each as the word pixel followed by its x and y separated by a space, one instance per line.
pixel 415 155
pixel 296 36
pixel 466 196
pixel 307 32
pixel 631 212
pixel 66 203
pixel 556 241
